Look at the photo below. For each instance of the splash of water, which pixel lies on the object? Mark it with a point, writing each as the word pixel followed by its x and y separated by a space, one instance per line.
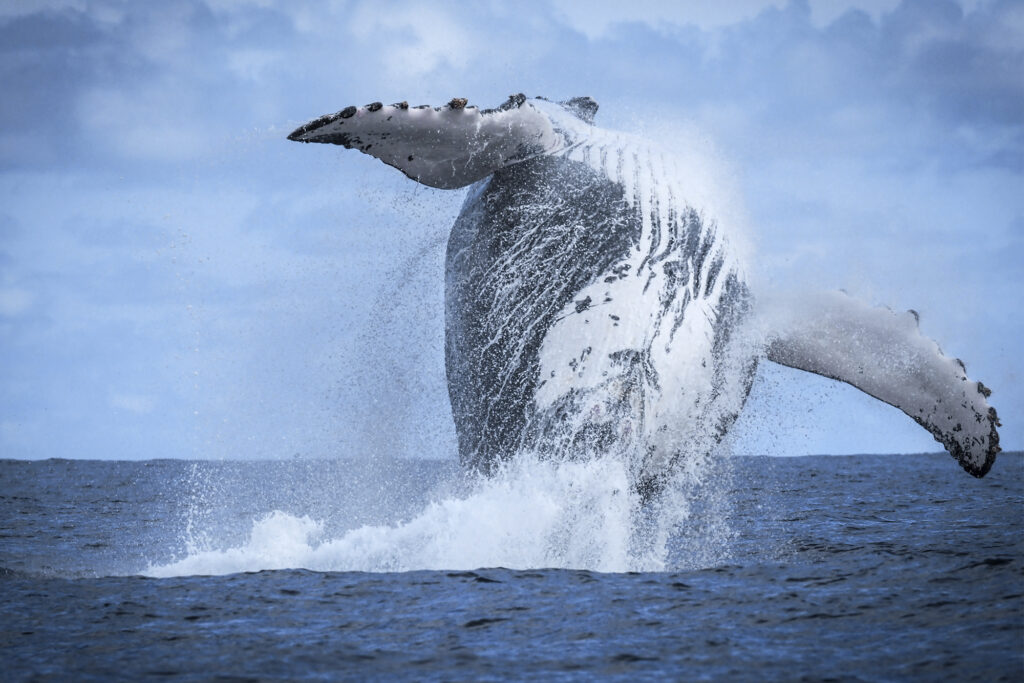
pixel 568 508
pixel 534 513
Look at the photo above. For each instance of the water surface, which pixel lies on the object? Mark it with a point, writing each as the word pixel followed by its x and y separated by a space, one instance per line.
pixel 866 567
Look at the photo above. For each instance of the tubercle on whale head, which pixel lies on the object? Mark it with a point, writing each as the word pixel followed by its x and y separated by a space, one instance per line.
pixel 584 107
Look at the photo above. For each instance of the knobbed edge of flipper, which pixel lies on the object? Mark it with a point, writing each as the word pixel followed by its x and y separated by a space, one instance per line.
pixel 884 354
pixel 300 134
pixel 947 439
pixel 584 107
pixel 954 447
pixel 446 147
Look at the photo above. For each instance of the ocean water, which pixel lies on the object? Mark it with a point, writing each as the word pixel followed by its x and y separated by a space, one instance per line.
pixel 849 568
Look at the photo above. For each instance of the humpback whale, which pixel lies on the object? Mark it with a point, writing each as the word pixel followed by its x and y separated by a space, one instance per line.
pixel 592 305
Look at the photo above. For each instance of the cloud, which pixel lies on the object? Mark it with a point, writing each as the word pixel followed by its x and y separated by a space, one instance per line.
pixel 154 124
pixel 252 64
pixel 159 83
pixel 965 68
pixel 412 39
pixel 43 60
pixel 596 19
pixel 154 207
pixel 144 84
pixel 14 302
pixel 925 67
pixel 19 8
pixel 140 404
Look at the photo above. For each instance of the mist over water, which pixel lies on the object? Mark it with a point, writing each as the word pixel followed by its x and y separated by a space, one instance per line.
pixel 573 510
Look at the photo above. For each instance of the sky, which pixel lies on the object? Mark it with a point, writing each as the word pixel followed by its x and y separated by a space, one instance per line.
pixel 179 280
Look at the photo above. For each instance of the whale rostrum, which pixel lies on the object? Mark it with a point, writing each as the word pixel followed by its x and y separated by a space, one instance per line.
pixel 593 305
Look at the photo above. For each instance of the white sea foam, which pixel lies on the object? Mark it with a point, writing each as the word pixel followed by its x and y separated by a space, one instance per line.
pixel 533 514
pixel 565 513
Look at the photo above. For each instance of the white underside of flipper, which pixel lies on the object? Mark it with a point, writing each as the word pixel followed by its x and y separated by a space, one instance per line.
pixel 444 147
pixel 884 354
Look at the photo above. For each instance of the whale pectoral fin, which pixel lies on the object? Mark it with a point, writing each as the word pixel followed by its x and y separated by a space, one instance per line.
pixel 884 354
pixel 445 147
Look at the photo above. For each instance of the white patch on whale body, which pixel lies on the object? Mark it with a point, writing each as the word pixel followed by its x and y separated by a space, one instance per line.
pixel 635 308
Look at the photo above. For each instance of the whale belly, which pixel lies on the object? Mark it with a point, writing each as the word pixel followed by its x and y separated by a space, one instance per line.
pixel 570 330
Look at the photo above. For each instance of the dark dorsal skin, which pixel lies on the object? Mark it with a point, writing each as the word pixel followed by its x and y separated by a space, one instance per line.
pixel 521 249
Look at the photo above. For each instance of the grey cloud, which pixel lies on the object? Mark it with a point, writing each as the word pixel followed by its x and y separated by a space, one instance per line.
pixel 44 61
pixel 48 32
pixel 120 232
pixel 926 67
pixel 60 67
pixel 287 252
pixel 924 58
pixel 9 227
pixel 956 63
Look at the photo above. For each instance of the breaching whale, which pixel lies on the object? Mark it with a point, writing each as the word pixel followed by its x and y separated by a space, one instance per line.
pixel 591 305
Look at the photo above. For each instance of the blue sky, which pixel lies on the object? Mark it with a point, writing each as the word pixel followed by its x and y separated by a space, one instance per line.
pixel 178 280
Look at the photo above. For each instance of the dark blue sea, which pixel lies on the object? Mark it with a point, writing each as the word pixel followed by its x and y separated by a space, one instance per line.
pixel 895 567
